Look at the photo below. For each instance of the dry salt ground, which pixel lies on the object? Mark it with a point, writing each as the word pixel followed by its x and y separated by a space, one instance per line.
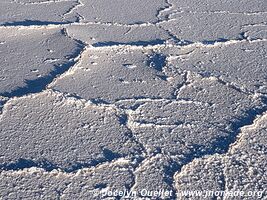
pixel 123 99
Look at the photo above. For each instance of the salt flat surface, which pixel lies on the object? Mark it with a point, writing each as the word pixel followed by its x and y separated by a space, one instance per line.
pixel 31 58
pixel 130 12
pixel 134 74
pixel 220 62
pixel 30 12
pixel 239 168
pixel 104 96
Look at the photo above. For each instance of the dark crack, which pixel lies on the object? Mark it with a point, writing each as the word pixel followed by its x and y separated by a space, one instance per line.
pixel 134 43
pixel 22 163
pixel 124 120
pixel 33 23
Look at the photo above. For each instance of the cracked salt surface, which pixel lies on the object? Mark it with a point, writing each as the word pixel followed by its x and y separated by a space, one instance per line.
pixel 102 76
pixel 118 35
pixel 59 132
pixel 56 184
pixel 130 12
pixel 24 56
pixel 100 96
pixel 240 64
pixel 240 169
pixel 24 13
pixel 209 27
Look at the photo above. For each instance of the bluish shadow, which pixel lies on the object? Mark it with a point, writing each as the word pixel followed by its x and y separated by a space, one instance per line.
pixel 157 61
pixel 211 42
pixel 24 163
pixel 33 23
pixel 134 43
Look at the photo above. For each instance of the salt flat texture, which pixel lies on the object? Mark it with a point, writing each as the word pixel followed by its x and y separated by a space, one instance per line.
pixel 32 58
pixel 31 12
pixel 119 95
